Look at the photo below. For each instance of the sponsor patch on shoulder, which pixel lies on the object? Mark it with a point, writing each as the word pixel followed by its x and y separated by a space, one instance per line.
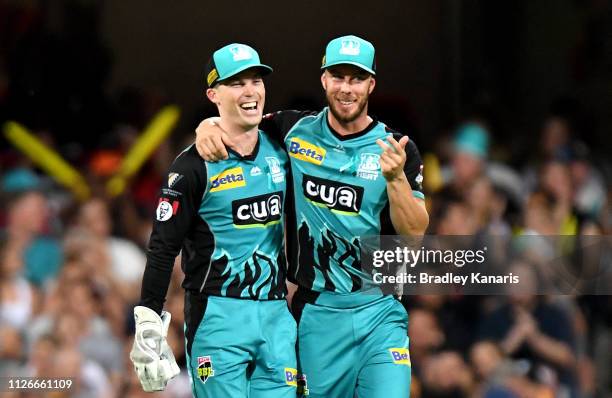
pixel 228 179
pixel 173 178
pixel 401 356
pixel 165 210
pixel 304 150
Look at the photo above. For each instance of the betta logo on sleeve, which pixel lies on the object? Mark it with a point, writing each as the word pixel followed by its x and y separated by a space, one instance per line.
pixel 401 356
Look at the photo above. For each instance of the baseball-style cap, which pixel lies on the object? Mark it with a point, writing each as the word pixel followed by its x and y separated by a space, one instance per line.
pixel 473 139
pixel 350 50
pixel 231 60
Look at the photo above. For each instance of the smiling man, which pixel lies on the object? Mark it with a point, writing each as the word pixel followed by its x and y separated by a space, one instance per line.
pixel 353 177
pixel 227 217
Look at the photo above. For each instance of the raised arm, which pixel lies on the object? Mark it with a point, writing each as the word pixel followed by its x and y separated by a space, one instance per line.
pixel 401 166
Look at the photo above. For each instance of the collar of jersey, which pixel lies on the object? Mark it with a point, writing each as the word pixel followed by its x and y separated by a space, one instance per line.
pixel 350 136
pixel 250 156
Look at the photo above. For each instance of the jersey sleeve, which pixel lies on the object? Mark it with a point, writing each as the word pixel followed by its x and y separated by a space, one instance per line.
pixel 177 207
pixel 413 168
pixel 278 124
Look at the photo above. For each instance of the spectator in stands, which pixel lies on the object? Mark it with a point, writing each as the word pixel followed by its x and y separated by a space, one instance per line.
pixel 527 327
pixel 126 259
pixel 446 375
pixel 589 193
pixel 468 160
pixel 16 294
pixel 498 376
pixel 27 225
pixel 426 337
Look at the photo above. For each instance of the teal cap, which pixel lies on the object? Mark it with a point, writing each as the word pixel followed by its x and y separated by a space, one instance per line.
pixel 231 60
pixel 350 50
pixel 472 138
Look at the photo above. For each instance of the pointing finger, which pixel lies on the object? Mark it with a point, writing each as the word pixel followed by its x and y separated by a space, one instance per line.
pixel 383 145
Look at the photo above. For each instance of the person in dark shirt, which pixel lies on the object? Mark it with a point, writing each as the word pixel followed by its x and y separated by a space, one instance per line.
pixel 227 217
pixel 528 327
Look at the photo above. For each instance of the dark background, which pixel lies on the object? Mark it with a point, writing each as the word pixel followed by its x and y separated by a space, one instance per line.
pixel 87 76
pixel 69 65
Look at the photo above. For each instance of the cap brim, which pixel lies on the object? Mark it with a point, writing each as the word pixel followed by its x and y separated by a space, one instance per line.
pixel 265 70
pixel 357 64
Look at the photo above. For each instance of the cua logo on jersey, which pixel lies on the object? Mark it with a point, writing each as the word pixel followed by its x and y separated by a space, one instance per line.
pixel 291 376
pixel 401 356
pixel 337 196
pixel 306 151
pixel 258 211
pixel 228 179
pixel 205 368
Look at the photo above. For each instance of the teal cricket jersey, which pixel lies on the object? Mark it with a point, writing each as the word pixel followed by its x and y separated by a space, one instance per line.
pixel 340 196
pixel 227 218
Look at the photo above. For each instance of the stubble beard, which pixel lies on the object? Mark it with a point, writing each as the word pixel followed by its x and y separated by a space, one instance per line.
pixel 342 118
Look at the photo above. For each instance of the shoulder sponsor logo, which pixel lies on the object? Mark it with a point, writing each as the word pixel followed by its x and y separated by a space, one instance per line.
pixel 337 196
pixel 401 356
pixel 228 179
pixel 369 166
pixel 165 210
pixel 173 178
pixel 258 211
pixel 275 169
pixel 306 151
pixel 205 368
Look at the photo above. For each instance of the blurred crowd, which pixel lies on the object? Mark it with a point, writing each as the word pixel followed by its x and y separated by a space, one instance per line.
pixel 70 271
pixel 70 275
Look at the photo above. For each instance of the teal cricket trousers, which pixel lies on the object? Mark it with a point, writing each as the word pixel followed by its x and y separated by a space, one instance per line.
pixel 238 348
pixel 352 345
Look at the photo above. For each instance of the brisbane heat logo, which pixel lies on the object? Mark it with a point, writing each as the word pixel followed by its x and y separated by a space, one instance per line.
pixel 228 179
pixel 306 151
pixel 258 211
pixel 337 196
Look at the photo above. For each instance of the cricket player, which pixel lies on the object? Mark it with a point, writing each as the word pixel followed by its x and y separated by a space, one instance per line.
pixel 227 218
pixel 352 177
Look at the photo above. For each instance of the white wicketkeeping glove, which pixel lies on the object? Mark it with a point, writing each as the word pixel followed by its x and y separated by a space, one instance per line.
pixel 151 355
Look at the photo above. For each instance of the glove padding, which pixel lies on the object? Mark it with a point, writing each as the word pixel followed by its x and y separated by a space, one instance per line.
pixel 152 357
